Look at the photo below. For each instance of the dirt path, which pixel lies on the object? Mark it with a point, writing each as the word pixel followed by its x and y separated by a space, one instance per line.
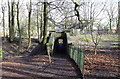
pixel 38 66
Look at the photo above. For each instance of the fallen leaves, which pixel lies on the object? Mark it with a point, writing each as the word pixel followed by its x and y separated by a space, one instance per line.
pixel 103 64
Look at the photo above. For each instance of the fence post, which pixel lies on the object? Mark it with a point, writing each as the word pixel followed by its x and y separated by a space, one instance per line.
pixel 49 51
pixel 76 55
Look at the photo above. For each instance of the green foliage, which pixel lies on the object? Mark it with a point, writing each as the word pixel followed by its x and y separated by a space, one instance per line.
pixel 110 37
pixel 16 39
pixel 33 29
pixel 86 38
pixel 24 31
pixel 33 25
pixel 0 52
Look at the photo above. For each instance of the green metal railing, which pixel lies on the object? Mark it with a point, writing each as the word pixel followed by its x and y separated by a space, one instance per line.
pixel 77 54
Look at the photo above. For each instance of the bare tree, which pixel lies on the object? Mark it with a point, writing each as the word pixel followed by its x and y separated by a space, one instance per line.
pixel 18 24
pixel 96 37
pixel 118 21
pixel 3 12
pixel 29 23
pixel 12 20
pixel 111 10
pixel 90 19
pixel 45 22
pixel 41 23
pixel 38 28
pixel 11 24
pixel 9 17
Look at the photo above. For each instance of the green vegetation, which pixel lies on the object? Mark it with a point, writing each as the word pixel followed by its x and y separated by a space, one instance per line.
pixel 109 37
pixel 0 52
pixel 105 37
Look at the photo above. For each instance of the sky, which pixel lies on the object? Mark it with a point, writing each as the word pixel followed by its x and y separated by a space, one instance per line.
pixel 1 1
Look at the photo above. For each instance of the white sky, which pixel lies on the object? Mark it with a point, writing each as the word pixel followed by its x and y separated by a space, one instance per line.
pixel 1 1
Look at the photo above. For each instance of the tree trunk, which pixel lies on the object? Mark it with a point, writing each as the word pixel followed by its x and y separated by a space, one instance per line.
pixel 45 22
pixel 118 26
pixel 38 29
pixel 65 22
pixel 42 48
pixel 9 22
pixel 110 25
pixel 29 24
pixel 3 12
pixel 95 49
pixel 12 21
pixel 41 25
pixel 118 23
pixel 19 30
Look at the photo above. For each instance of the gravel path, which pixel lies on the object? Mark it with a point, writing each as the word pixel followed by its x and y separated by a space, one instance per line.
pixel 38 66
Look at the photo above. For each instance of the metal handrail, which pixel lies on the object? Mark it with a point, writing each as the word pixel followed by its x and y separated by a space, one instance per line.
pixel 77 54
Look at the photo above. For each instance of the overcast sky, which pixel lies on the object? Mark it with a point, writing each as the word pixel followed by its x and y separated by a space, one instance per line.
pixel 1 1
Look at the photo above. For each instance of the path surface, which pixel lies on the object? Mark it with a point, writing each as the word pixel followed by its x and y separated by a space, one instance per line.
pixel 38 66
pixel 110 44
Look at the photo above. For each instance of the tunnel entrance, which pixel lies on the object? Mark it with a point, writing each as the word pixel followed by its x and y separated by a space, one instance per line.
pixel 60 43
pixel 59 46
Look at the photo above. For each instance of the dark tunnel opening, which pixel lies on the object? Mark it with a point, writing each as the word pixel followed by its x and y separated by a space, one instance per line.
pixel 60 44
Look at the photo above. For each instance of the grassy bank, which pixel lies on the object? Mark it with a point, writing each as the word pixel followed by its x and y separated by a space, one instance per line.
pixel 105 37
pixel 85 40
